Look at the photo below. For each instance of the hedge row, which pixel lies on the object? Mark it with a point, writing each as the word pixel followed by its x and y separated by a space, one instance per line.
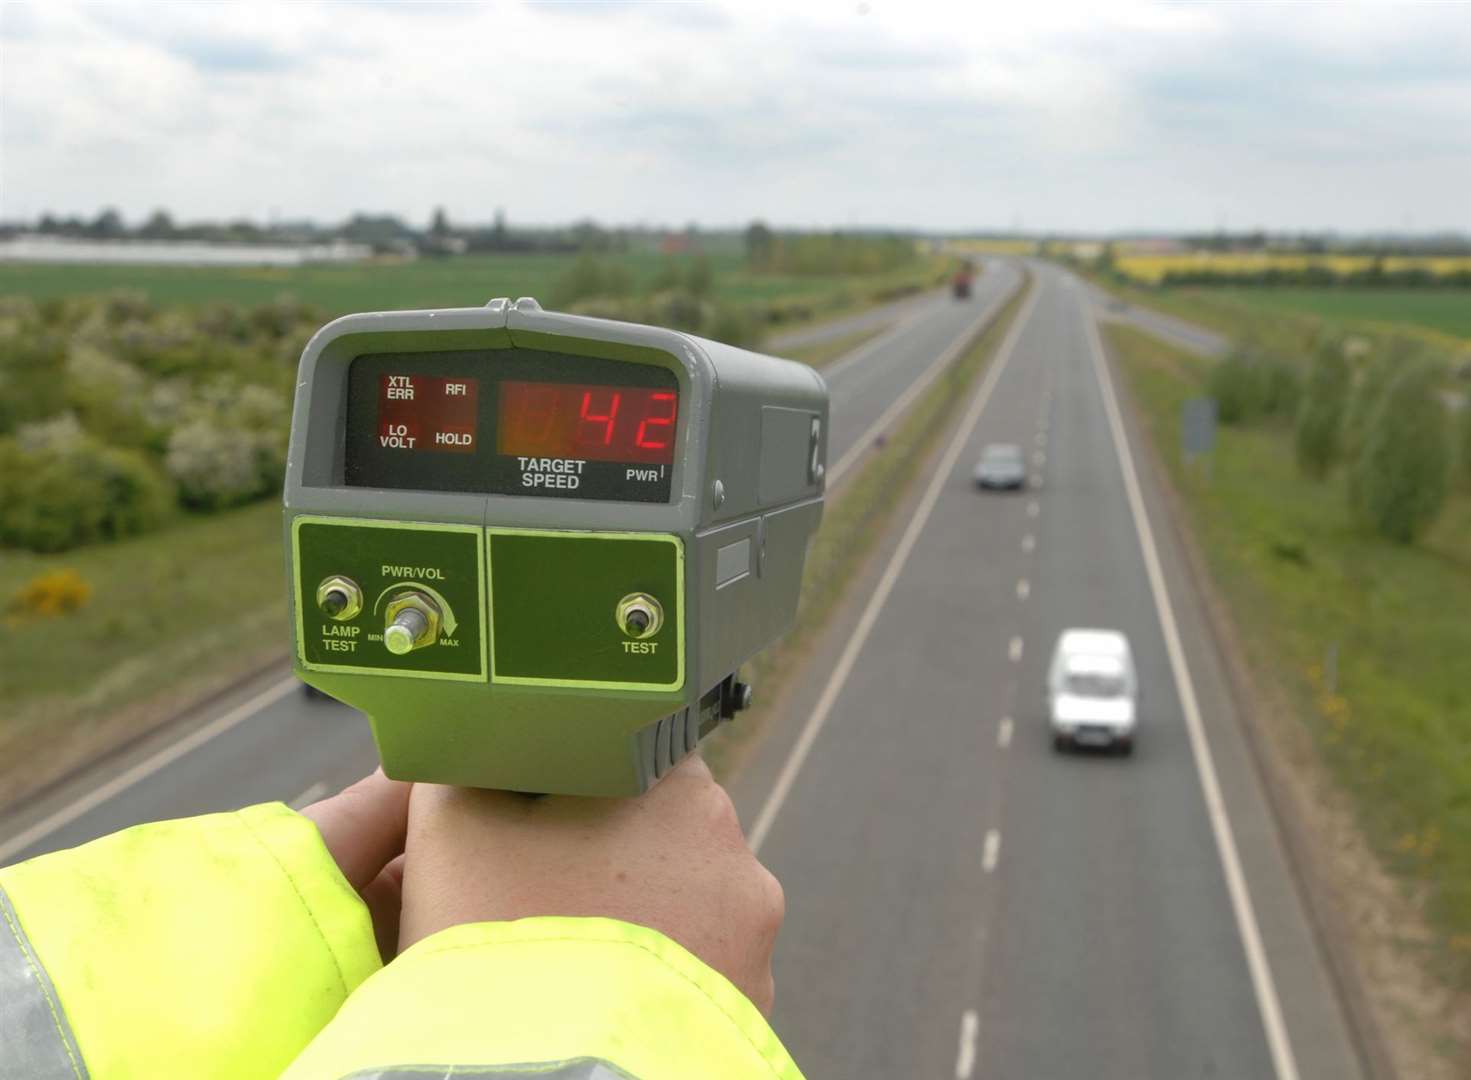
pixel 115 415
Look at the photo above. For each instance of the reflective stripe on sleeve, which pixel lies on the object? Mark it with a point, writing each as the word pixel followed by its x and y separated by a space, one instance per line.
pixel 34 1033
pixel 581 1069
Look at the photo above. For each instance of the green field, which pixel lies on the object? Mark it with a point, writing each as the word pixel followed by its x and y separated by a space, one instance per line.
pixel 1446 311
pixel 384 285
pixel 1291 318
pixel 380 285
pixel 1302 579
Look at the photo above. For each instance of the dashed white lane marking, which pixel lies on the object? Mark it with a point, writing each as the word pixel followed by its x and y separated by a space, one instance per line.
pixel 1039 459
pixel 1014 650
pixel 1023 589
pixel 825 702
pixel 309 796
pixel 991 850
pixel 1003 732
pixel 1034 508
pixel 1283 1062
pixel 146 768
pixel 1029 542
pixel 965 1059
pixel 1037 481
pixel 1041 438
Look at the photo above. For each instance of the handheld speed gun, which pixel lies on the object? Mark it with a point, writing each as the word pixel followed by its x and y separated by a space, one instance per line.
pixel 535 548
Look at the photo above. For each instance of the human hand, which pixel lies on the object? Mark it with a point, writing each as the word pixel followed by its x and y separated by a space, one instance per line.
pixel 363 827
pixel 673 859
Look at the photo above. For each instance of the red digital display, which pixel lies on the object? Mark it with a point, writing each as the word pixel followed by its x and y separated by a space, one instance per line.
pixel 595 423
pixel 427 412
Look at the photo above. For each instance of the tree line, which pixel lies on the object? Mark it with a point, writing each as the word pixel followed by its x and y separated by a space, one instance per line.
pixel 1375 412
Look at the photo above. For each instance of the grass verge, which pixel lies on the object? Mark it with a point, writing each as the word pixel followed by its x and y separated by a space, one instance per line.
pixel 1367 640
pixel 821 353
pixel 171 618
pixel 853 522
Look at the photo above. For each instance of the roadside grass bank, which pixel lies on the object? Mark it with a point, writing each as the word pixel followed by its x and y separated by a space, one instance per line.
pixel 821 353
pixel 170 619
pixel 853 522
pixel 1365 639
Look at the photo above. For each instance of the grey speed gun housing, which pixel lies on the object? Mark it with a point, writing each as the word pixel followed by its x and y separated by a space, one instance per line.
pixel 536 548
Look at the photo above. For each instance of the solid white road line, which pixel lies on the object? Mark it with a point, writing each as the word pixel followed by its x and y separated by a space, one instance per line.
pixel 1003 732
pixel 1014 650
pixel 965 1059
pixel 864 443
pixel 1023 589
pixel 1278 1043
pixel 872 345
pixel 1029 542
pixel 991 850
pixel 146 768
pixel 869 618
pixel 309 796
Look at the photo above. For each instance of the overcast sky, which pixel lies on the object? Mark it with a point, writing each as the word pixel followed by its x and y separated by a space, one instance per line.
pixel 944 116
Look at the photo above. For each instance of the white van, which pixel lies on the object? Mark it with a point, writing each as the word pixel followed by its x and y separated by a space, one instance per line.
pixel 1092 691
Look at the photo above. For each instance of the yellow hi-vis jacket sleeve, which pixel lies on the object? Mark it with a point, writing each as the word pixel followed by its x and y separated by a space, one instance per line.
pixel 215 946
pixel 230 946
pixel 549 999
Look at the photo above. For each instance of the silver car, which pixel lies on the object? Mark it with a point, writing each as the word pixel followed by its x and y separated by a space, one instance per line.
pixel 1002 465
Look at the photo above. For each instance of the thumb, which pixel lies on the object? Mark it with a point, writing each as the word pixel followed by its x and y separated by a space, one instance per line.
pixel 364 825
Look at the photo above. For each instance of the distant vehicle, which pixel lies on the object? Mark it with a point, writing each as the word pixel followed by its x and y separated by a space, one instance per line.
pixel 1092 691
pixel 1002 465
pixel 960 283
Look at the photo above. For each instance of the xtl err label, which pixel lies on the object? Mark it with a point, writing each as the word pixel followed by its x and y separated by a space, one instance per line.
pixel 388 561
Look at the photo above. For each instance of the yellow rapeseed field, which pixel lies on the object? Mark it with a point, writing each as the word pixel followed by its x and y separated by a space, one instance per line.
pixel 991 247
pixel 1152 268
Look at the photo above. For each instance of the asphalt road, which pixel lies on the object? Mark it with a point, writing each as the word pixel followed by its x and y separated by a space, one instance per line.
pixel 963 901
pixel 268 741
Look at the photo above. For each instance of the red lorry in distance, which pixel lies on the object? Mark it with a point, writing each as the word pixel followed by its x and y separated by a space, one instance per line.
pixel 960 283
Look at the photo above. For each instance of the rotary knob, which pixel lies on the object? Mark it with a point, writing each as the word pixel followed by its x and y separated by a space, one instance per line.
pixel 412 622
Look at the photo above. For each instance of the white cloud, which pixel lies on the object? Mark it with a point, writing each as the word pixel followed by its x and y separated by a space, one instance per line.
pixel 944 116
